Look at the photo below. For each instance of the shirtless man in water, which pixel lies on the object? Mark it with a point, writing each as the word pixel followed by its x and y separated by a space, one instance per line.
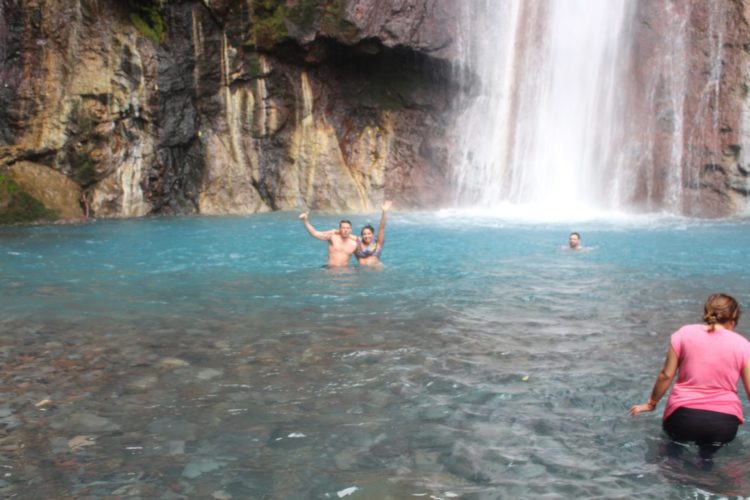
pixel 341 242
pixel 574 241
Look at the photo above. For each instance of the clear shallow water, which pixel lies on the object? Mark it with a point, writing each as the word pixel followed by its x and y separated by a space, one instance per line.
pixel 214 356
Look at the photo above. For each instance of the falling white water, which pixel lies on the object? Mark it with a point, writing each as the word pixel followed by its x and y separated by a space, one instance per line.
pixel 704 124
pixel 543 130
pixel 197 48
pixel 583 106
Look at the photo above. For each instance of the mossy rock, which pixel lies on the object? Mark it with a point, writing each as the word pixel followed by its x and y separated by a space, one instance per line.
pixel 306 14
pixel 269 28
pixel 328 14
pixel 82 166
pixel 83 170
pixel 17 206
pixel 252 66
pixel 334 23
pixel 148 17
pixel 272 20
pixel 83 139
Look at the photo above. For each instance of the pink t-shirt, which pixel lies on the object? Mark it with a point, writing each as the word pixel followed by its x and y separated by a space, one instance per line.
pixel 710 364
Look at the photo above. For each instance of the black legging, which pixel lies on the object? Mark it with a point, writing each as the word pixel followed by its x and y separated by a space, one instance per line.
pixel 710 430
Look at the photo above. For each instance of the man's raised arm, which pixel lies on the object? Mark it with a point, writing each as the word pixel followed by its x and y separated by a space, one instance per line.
pixel 320 235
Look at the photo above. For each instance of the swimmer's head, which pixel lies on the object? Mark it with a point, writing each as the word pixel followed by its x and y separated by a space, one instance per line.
pixel 367 233
pixel 720 309
pixel 345 228
pixel 574 241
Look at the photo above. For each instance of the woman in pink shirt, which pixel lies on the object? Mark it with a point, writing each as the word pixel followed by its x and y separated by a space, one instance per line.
pixel 703 406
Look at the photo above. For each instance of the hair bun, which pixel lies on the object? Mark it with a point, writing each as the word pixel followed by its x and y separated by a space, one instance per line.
pixel 720 309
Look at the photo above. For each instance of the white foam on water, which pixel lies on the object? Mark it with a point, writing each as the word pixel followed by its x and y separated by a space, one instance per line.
pixel 346 492
pixel 503 215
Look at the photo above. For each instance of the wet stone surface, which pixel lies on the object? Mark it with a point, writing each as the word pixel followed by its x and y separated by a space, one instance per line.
pixel 85 416
pixel 496 368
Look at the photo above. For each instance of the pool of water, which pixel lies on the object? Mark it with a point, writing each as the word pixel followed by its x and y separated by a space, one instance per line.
pixel 216 358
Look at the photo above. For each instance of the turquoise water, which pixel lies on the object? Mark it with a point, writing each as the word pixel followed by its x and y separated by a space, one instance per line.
pixel 200 357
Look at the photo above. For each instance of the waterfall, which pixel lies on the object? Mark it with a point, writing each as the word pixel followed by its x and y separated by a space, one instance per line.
pixel 582 105
pixel 198 42
pixel 544 128
pixel 666 85
pixel 704 125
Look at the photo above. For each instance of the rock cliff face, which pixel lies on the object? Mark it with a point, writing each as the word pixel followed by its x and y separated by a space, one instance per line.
pixel 692 130
pixel 121 109
pixel 135 107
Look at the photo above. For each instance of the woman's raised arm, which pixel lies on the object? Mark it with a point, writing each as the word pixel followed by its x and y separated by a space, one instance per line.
pixel 381 228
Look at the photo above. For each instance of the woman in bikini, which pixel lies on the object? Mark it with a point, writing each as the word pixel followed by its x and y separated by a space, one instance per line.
pixel 369 246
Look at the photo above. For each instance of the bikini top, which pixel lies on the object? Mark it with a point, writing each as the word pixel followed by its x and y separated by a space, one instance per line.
pixel 372 249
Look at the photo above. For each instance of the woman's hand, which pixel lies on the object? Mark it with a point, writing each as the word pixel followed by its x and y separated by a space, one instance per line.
pixel 386 205
pixel 636 409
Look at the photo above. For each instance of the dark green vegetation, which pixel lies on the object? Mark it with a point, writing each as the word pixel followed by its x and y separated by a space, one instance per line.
pixel 271 20
pixel 268 23
pixel 18 206
pixel 148 17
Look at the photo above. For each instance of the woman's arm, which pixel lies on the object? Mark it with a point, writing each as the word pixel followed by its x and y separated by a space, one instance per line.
pixel 324 236
pixel 663 381
pixel 381 228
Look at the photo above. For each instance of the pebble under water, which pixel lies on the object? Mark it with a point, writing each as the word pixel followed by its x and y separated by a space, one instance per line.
pixel 215 358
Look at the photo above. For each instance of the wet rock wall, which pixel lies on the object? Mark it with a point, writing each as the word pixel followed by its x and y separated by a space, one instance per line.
pixel 138 107
pixel 120 109
pixel 689 121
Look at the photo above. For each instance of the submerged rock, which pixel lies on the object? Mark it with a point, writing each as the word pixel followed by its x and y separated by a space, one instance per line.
pixel 173 363
pixel 143 383
pixel 84 423
pixel 173 429
pixel 201 466
pixel 209 373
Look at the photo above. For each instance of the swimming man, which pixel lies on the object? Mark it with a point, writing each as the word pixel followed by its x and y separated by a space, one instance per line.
pixel 574 241
pixel 341 242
